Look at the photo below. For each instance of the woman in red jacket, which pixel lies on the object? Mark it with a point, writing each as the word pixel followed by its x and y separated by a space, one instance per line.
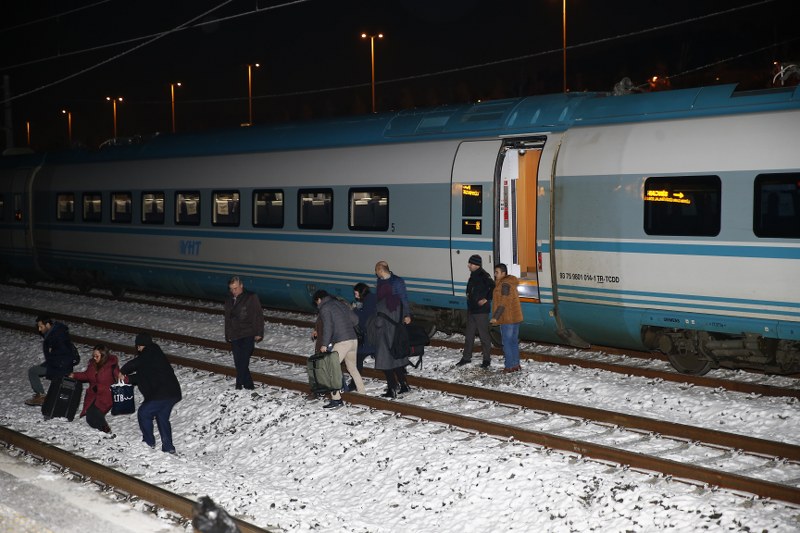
pixel 102 372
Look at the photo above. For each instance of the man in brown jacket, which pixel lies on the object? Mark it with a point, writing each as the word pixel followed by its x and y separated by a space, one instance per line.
pixel 507 313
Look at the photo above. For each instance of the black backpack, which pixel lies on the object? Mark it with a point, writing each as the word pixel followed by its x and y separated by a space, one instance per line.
pixel 76 357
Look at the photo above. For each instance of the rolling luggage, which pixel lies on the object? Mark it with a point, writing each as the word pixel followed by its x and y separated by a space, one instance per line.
pixel 63 398
pixel 324 372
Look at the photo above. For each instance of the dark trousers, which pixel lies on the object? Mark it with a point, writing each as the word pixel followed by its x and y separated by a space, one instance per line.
pixel 478 322
pixel 160 410
pixel 395 377
pixel 96 418
pixel 242 352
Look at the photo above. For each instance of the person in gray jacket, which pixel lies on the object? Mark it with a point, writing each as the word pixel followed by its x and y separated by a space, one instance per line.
pixel 339 335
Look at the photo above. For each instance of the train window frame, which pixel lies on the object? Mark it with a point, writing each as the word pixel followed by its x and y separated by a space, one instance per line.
pixel 663 195
pixel 274 217
pixel 193 202
pixel 227 213
pixel 786 195
pixel 121 198
pixel 152 199
pixel 92 206
pixel 65 206
pixel 369 195
pixel 309 197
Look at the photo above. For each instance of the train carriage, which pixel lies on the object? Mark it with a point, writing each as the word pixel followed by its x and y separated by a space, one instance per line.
pixel 665 221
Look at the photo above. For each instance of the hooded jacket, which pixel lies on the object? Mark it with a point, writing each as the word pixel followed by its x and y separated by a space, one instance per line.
pixel 100 381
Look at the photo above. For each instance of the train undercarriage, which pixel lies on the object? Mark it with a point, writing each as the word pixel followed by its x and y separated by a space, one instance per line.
pixel 696 352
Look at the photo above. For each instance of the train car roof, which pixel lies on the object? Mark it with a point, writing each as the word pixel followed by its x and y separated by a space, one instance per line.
pixel 497 118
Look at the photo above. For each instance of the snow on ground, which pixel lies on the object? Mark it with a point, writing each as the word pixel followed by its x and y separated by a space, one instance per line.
pixel 276 458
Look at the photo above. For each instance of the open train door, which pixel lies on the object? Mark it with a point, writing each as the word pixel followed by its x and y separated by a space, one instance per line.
pixel 517 194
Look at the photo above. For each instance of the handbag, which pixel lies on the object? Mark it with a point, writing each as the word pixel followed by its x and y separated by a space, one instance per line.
pixel 122 395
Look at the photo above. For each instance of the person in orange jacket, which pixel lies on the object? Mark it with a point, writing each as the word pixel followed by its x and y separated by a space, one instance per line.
pixel 508 314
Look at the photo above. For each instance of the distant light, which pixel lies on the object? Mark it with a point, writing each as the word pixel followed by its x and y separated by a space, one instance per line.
pixel 64 111
pixel 655 78
pixel 363 35
pixel 258 65
pixel 380 36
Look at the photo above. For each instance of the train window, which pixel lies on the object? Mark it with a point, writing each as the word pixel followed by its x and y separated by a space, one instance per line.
pixel 776 206
pixel 315 208
pixel 369 209
pixel 121 207
pixel 226 208
pixel 187 207
pixel 268 209
pixel 471 200
pixel 153 207
pixel 65 206
pixel 682 205
pixel 2 208
pixel 92 207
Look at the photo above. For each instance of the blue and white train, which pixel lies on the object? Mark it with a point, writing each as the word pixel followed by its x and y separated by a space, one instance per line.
pixel 665 221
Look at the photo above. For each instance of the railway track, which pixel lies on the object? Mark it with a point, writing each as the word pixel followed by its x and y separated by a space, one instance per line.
pixel 670 375
pixel 690 453
pixel 128 487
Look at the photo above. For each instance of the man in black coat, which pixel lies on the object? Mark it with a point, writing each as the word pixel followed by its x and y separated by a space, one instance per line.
pixel 59 357
pixel 160 388
pixel 479 303
pixel 244 327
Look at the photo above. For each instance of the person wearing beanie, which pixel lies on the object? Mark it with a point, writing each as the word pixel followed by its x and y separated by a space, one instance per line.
pixel 479 303
pixel 159 387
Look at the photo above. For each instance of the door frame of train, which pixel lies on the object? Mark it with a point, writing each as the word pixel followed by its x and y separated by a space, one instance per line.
pixel 516 206
pixel 473 175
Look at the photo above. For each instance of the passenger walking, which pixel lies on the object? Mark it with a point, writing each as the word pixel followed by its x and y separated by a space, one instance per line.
pixel 244 327
pixel 338 335
pixel 392 301
pixel 365 307
pixel 508 314
pixel 101 372
pixel 479 296
pixel 159 387
pixel 59 357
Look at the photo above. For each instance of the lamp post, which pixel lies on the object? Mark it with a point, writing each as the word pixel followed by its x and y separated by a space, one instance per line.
pixel 172 99
pixel 28 131
pixel 69 124
pixel 114 103
pixel 564 38
pixel 372 61
pixel 250 92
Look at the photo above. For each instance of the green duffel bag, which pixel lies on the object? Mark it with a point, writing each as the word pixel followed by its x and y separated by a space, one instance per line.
pixel 324 372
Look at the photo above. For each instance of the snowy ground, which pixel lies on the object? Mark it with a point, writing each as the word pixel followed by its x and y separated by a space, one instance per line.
pixel 279 460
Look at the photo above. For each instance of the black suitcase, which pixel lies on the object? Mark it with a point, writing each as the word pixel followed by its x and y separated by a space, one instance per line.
pixel 63 398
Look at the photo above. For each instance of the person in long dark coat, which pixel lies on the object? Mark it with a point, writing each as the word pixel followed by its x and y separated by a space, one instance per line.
pixel 392 301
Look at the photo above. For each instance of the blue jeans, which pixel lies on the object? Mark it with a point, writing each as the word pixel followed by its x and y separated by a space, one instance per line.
pixel 242 351
pixel 160 410
pixel 510 334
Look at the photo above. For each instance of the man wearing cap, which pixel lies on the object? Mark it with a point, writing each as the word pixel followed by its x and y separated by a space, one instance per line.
pixel 479 299
pixel 159 387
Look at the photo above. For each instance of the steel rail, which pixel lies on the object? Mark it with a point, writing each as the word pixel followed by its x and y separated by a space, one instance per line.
pixel 700 381
pixel 108 476
pixel 666 467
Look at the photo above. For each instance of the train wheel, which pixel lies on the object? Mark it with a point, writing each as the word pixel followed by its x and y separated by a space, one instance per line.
pixel 117 292
pixel 690 363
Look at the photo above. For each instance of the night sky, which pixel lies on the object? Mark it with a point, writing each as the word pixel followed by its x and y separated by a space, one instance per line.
pixel 314 63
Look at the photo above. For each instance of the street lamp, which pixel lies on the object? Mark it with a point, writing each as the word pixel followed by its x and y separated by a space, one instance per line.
pixel 114 103
pixel 564 38
pixel 69 124
pixel 172 99
pixel 250 91
pixel 372 61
